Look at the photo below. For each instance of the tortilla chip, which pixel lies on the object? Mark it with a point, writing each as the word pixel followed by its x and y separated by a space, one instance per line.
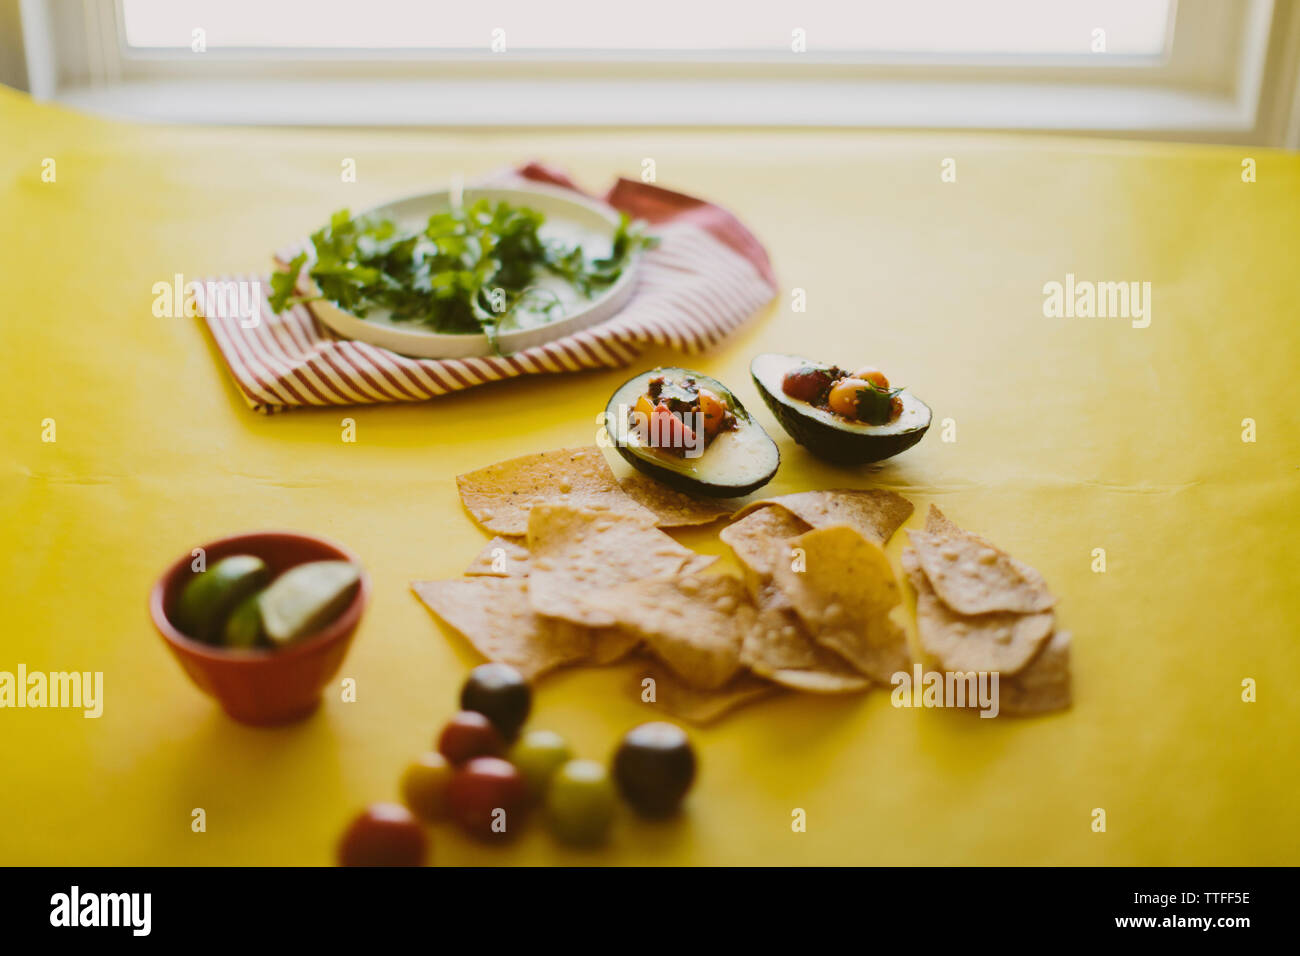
pixel 768 595
pixel 1000 641
pixel 609 645
pixel 936 522
pixel 678 699
pixel 1044 685
pixel 751 538
pixel 777 647
pixel 839 680
pixel 874 513
pixel 699 562
pixel 777 640
pixel 577 554
pixel 971 576
pixel 502 558
pixel 500 496
pixel 673 508
pixel 843 590
pixel 693 624
pixel 494 615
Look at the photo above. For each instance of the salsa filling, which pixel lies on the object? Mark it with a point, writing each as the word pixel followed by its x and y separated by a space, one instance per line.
pixel 860 396
pixel 679 416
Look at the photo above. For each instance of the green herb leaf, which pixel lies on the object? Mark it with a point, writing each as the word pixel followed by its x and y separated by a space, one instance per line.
pixel 464 272
pixel 283 283
pixel 875 405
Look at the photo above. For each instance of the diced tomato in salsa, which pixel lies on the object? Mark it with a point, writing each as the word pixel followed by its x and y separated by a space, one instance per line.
pixel 671 414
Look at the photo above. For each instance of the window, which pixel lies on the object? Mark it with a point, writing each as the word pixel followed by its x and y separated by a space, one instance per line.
pixel 1014 27
pixel 1200 69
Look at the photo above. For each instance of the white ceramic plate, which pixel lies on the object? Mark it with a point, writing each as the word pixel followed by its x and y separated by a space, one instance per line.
pixel 568 217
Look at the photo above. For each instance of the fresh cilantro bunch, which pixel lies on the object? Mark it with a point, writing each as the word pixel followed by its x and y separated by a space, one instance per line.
pixel 464 273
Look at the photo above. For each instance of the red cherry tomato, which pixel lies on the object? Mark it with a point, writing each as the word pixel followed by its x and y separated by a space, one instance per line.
pixel 668 431
pixel 488 797
pixel 385 834
pixel 806 382
pixel 467 735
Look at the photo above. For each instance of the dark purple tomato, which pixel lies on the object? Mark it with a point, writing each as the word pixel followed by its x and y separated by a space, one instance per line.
pixel 499 693
pixel 487 797
pixel 468 735
pixel 806 383
pixel 654 767
pixel 385 834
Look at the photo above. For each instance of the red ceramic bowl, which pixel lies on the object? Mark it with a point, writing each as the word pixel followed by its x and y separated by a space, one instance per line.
pixel 262 687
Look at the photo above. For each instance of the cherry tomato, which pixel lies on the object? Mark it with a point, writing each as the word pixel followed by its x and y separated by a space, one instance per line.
pixel 385 834
pixel 580 803
pixel 537 755
pixel 641 413
pixel 843 398
pixel 467 735
pixel 875 376
pixel 424 785
pixel 669 431
pixel 654 767
pixel 714 411
pixel 499 693
pixel 487 797
pixel 806 382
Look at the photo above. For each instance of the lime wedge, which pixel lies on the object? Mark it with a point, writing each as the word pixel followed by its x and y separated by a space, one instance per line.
pixel 210 595
pixel 306 598
pixel 244 626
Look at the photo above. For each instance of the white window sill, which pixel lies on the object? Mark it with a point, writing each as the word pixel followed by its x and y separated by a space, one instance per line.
pixel 1101 108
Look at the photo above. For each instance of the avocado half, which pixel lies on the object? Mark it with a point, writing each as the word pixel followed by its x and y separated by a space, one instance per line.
pixel 735 463
pixel 827 435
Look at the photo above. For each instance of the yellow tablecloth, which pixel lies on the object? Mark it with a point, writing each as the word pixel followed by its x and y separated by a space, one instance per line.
pixel 1071 434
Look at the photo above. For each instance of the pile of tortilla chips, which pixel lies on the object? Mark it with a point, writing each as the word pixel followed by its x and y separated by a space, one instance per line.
pixel 979 609
pixel 581 572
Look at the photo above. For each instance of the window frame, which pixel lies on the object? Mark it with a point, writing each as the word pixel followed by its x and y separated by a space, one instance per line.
pixel 1207 85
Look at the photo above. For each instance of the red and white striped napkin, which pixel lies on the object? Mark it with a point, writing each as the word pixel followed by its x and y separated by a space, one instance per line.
pixel 707 276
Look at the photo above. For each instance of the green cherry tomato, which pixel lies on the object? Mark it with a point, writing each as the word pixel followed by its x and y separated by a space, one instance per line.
pixel 537 755
pixel 580 803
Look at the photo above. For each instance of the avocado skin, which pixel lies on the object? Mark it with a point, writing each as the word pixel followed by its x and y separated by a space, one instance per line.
pixel 835 444
pixel 691 486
